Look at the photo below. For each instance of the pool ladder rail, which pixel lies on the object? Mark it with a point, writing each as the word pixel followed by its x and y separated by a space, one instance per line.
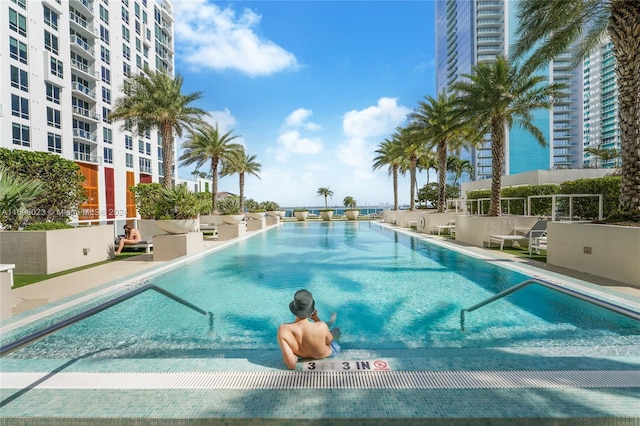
pixel 601 303
pixel 11 347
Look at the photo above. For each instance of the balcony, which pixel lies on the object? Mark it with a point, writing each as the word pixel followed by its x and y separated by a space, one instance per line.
pixel 86 70
pixel 87 5
pixel 85 113
pixel 86 158
pixel 80 25
pixel 84 47
pixel 78 88
pixel 84 135
pixel 167 10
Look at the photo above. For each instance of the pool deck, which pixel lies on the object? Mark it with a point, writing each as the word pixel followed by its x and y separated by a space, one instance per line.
pixel 489 386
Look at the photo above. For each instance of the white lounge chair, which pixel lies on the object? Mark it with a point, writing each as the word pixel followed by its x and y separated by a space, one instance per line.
pixel 449 227
pixel 537 230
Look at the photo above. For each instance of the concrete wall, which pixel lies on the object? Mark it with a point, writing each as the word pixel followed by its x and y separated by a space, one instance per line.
pixel 48 252
pixel 434 219
pixel 475 230
pixel 603 250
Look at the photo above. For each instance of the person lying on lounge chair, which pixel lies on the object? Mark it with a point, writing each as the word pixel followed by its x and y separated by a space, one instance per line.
pixel 131 236
pixel 303 338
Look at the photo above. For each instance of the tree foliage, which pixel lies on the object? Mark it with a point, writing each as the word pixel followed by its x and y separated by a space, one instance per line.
pixel 62 194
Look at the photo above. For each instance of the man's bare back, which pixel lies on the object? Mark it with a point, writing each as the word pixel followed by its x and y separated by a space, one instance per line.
pixel 303 338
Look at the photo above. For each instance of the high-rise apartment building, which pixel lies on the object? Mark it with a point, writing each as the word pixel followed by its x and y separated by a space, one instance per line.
pixel 601 122
pixel 64 64
pixel 472 31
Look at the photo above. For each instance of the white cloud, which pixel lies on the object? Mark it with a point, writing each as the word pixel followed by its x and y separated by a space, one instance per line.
pixel 215 38
pixel 291 142
pixel 364 129
pixel 299 117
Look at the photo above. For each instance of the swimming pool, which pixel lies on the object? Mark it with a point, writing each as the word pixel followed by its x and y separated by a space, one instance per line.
pixel 390 290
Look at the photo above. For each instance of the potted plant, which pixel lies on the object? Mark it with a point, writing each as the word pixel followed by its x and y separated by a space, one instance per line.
pixel 301 214
pixel 229 208
pixel 351 212
pixel 272 209
pixel 257 213
pixel 175 210
pixel 326 213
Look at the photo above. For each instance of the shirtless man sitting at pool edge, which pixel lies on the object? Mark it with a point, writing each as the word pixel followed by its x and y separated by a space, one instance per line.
pixel 303 338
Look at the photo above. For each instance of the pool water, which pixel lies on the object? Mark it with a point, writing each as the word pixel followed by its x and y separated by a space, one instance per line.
pixel 389 290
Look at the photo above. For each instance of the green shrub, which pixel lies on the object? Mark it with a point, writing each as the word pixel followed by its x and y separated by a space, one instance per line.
pixel 270 206
pixel 587 207
pixel 47 226
pixel 229 205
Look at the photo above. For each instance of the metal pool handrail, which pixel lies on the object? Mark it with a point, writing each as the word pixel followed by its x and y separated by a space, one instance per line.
pixel 6 349
pixel 603 304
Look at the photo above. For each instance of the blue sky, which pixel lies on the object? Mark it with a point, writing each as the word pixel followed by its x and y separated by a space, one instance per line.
pixel 311 88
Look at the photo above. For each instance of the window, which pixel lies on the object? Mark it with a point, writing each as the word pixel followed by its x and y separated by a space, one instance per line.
pixel 141 146
pixel 126 51
pixel 138 27
pixel 138 44
pixel 50 42
pixel 107 136
pixel 138 61
pixel 106 113
pixel 128 142
pixel 104 14
pixel 17 50
pixel 104 55
pixel 54 143
pixel 19 79
pixel 17 22
pixel 125 33
pixel 160 155
pixel 50 18
pixel 53 93
pixel 21 135
pixel 106 75
pixel 147 148
pixel 57 68
pixel 125 14
pixel 21 3
pixel 19 106
pixel 104 34
pixel 128 158
pixel 106 95
pixel 108 155
pixel 126 69
pixel 136 9
pixel 53 117
pixel 145 165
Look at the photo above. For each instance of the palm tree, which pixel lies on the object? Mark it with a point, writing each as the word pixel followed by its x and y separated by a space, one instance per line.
pixel 496 96
pixel 16 195
pixel 443 129
pixel 412 141
pixel 242 164
pixel 458 166
pixel 551 27
pixel 325 192
pixel 596 152
pixel 153 100
pixel 206 144
pixel 390 154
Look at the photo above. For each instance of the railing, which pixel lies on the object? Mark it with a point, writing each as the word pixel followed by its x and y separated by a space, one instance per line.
pixel 554 203
pixel 11 347
pixel 601 303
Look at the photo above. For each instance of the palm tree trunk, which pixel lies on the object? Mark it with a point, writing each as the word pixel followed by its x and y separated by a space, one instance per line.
pixel 214 183
pixel 167 154
pixel 624 30
pixel 395 188
pixel 412 178
pixel 497 161
pixel 442 174
pixel 241 180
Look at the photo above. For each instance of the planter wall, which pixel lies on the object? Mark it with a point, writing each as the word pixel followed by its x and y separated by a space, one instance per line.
pixel 390 216
pixel 426 221
pixel 475 230
pixel 607 251
pixel 48 252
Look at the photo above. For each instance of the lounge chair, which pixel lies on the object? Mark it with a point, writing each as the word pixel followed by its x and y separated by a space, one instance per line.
pixel 449 227
pixel 537 230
